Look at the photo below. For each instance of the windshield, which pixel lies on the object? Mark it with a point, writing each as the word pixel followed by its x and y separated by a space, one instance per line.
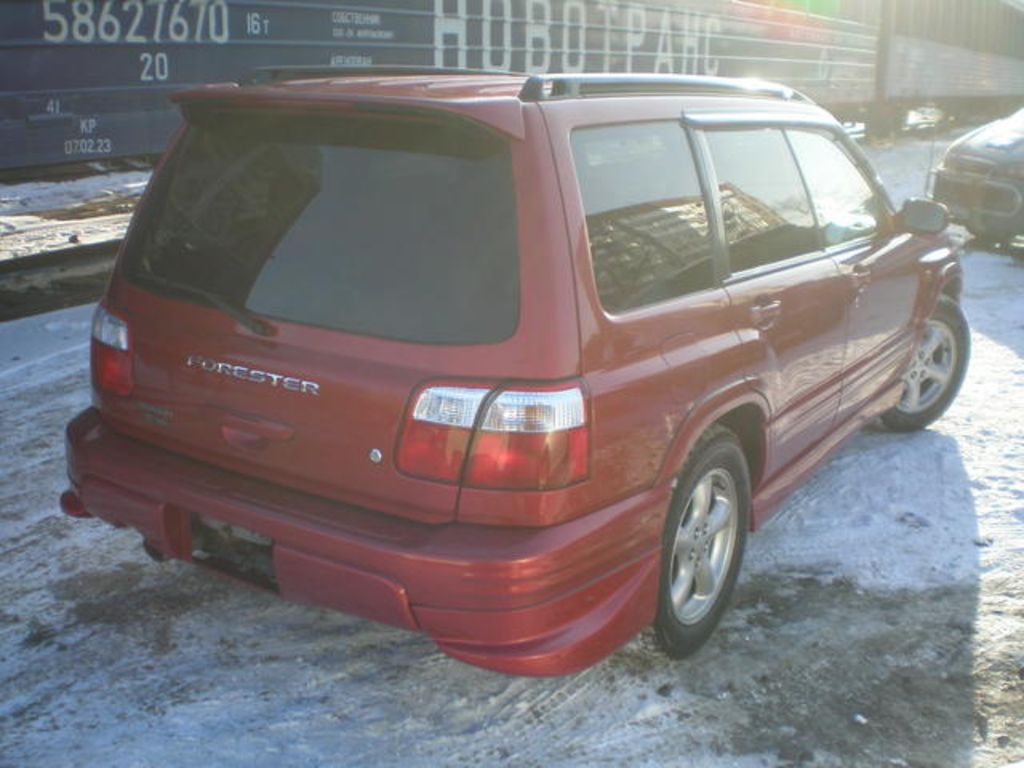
pixel 398 229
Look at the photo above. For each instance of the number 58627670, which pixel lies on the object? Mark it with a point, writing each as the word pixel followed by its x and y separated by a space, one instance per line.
pixel 135 21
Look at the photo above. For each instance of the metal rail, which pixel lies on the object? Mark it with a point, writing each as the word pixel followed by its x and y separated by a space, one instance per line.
pixel 551 86
pixel 67 277
pixel 546 87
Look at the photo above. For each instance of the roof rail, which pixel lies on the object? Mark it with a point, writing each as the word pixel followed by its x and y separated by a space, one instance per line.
pixel 549 86
pixel 556 86
pixel 266 75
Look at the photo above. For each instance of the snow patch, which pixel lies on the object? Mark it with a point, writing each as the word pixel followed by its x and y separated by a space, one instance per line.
pixel 33 196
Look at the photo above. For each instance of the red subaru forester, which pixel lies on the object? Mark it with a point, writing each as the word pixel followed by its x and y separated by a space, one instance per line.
pixel 513 361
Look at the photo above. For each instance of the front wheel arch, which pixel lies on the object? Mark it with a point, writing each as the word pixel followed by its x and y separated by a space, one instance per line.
pixel 949 325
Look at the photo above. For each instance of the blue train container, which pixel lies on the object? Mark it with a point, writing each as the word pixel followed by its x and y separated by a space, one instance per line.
pixel 89 79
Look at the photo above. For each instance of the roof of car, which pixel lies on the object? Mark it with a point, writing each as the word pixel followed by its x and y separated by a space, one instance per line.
pixel 497 99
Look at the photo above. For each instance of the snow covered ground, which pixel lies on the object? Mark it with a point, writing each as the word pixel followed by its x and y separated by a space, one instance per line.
pixel 879 620
pixel 35 196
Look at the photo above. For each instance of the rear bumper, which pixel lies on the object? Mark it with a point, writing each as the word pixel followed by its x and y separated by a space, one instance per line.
pixel 535 601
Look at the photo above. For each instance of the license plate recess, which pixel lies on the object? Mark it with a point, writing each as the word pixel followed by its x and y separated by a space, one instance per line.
pixel 233 550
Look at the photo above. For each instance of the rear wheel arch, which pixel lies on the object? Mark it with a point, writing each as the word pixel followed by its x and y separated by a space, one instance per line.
pixel 702 542
pixel 747 422
pixel 743 412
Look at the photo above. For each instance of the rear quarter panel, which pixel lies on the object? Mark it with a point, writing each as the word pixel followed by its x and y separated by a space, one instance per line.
pixel 652 370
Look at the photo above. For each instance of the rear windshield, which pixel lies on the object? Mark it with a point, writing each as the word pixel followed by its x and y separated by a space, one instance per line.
pixel 393 228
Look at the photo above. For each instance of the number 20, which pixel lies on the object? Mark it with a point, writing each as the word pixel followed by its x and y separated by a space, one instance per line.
pixel 155 66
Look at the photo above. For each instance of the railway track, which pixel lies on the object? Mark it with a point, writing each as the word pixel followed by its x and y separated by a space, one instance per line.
pixel 56 279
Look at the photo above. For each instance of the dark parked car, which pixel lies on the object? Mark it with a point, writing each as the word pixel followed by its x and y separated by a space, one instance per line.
pixel 515 362
pixel 981 180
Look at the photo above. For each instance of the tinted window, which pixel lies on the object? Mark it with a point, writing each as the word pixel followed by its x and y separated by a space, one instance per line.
pixel 764 204
pixel 844 202
pixel 384 228
pixel 646 219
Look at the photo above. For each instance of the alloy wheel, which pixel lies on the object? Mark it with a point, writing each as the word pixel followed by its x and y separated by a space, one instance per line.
pixel 703 546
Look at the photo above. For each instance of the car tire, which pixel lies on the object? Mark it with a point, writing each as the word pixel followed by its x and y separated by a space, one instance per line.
pixel 936 371
pixel 702 543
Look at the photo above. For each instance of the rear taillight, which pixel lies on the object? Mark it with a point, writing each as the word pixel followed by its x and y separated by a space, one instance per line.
pixel 111 354
pixel 437 432
pixel 527 439
pixel 530 440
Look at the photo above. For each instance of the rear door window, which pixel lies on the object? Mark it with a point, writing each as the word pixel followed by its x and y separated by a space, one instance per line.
pixel 646 218
pixel 397 229
pixel 765 209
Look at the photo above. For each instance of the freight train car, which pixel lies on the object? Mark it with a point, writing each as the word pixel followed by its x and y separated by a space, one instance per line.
pixel 88 79
pixel 965 56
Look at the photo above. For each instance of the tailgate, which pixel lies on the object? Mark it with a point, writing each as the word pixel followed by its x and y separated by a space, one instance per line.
pixel 287 411
pixel 373 255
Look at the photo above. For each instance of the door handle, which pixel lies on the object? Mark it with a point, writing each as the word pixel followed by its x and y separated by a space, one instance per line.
pixel 765 314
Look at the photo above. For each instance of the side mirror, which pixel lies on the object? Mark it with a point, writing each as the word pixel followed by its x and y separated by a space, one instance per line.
pixel 923 217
